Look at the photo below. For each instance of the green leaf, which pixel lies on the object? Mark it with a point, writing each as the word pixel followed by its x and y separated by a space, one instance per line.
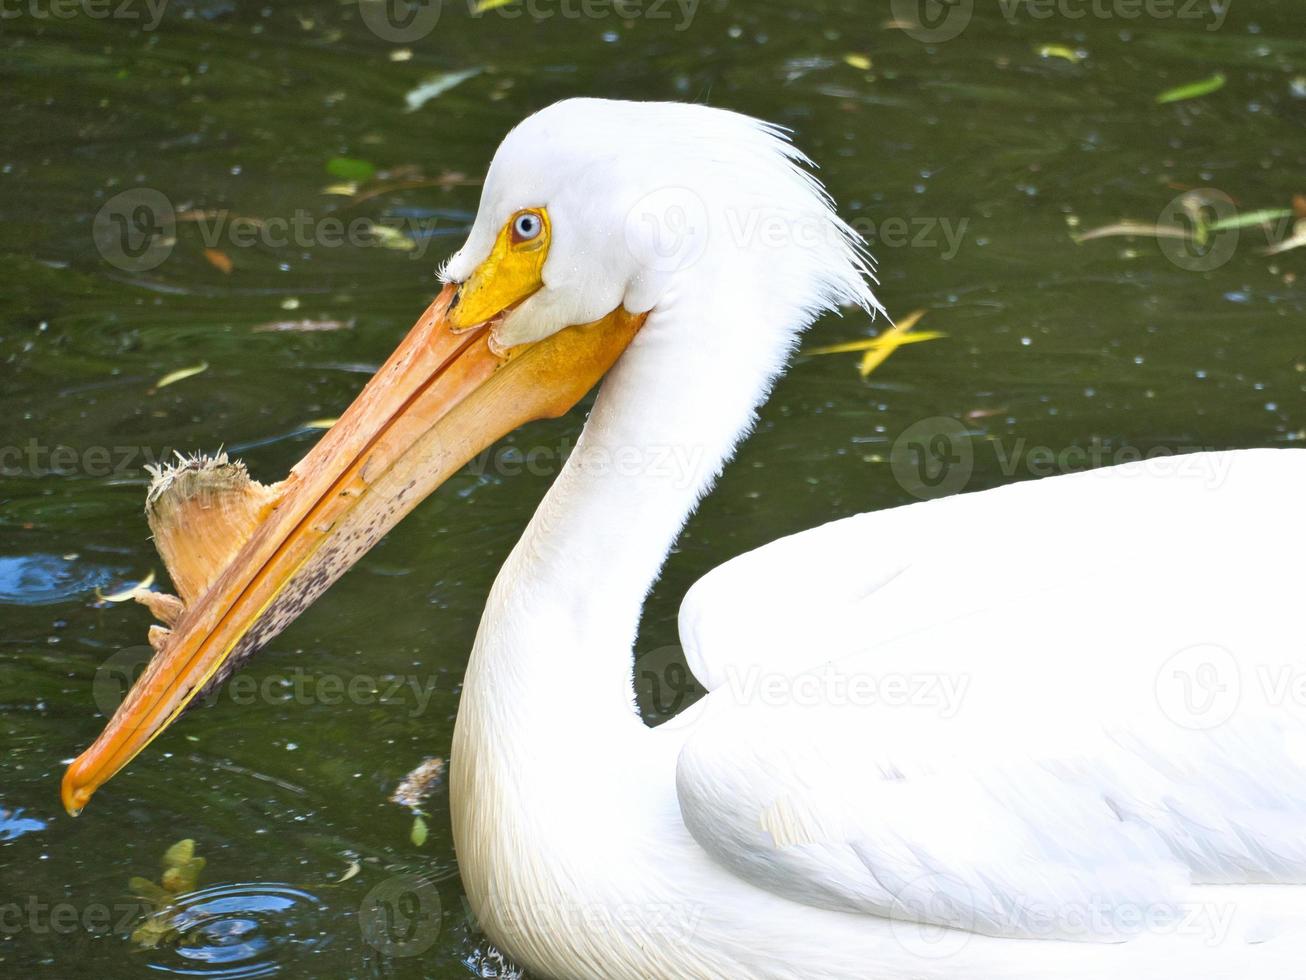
pixel 418 833
pixel 148 890
pixel 1251 219
pixel 348 168
pixel 1193 90
pixel 179 853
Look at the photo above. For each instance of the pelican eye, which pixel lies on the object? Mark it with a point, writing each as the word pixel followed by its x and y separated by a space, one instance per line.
pixel 526 227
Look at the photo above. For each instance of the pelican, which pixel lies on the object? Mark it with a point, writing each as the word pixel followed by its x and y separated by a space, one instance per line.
pixel 1053 729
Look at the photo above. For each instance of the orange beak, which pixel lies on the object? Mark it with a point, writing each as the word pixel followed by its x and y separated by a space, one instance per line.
pixel 442 397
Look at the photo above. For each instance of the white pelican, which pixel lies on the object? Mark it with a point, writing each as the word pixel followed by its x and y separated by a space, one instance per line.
pixel 1049 730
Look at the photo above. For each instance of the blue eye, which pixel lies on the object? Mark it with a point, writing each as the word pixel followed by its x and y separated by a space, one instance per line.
pixel 526 226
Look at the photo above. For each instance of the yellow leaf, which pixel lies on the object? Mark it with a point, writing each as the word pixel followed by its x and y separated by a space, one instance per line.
pixel 181 375
pixel 859 61
pixel 879 348
pixel 320 423
pixel 347 189
pixel 874 343
pixel 126 594
pixel 483 5
pixel 1060 51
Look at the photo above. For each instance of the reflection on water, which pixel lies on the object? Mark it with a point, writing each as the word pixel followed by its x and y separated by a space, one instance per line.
pixel 39 580
pixel 237 931
pixel 13 824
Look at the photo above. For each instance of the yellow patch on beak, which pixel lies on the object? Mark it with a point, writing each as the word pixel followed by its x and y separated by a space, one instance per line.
pixel 513 271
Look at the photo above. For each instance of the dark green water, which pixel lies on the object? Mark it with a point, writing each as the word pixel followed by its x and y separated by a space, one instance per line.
pixel 982 155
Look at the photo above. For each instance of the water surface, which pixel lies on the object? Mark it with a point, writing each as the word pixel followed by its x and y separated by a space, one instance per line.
pixel 975 160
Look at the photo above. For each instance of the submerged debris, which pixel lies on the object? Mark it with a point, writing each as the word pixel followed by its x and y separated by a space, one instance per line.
pixel 419 784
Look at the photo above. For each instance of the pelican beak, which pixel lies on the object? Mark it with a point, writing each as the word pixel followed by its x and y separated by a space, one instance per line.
pixel 445 394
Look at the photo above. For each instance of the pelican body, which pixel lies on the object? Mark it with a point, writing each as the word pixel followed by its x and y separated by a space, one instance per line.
pixel 1047 730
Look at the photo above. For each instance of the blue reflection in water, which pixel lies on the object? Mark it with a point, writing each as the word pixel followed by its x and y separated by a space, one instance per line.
pixel 13 824
pixel 39 580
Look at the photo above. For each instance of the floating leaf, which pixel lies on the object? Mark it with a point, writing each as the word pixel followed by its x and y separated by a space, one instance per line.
pixel 1060 51
pixel 1297 240
pixel 392 238
pixel 437 85
pixel 127 594
pixel 348 189
pixel 859 61
pixel 878 349
pixel 874 343
pixel 1250 219
pixel 154 931
pixel 349 168
pixel 148 890
pixel 353 869
pixel 1193 90
pixel 219 259
pixel 1131 229
pixel 419 832
pixel 320 423
pixel 303 326
pixel 179 853
pixel 181 375
pixel 483 6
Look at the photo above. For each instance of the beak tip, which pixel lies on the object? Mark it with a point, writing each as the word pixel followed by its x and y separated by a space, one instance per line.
pixel 74 793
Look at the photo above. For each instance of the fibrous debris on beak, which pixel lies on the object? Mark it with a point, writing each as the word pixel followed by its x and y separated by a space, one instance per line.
pixel 201 509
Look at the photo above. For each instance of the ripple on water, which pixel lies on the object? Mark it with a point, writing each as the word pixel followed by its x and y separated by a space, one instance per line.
pixel 239 930
pixel 40 580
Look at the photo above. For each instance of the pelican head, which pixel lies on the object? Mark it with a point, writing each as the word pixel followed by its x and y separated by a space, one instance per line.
pixel 603 226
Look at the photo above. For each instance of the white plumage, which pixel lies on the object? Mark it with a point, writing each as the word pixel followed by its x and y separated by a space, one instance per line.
pixel 1054 729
